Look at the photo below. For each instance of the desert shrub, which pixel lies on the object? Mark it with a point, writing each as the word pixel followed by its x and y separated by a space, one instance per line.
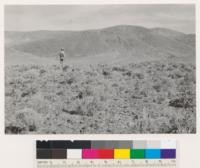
pixel 22 68
pixel 128 73
pixel 25 93
pixel 42 71
pixel 189 78
pixel 160 99
pixel 181 102
pixel 65 68
pixel 29 118
pixel 169 68
pixel 143 93
pixel 28 91
pixel 35 67
pixel 105 73
pixel 70 81
pixel 9 91
pixel 59 93
pixel 14 130
pixel 24 121
pixel 119 69
pixel 138 75
pixel 77 111
pixel 157 87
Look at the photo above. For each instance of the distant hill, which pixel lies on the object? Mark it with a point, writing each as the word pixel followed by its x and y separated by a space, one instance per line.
pixel 121 42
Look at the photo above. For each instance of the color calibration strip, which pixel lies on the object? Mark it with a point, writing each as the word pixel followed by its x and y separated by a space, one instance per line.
pixel 106 149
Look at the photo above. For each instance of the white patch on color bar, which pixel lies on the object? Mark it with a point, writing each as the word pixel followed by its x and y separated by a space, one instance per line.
pixel 74 153
pixel 168 144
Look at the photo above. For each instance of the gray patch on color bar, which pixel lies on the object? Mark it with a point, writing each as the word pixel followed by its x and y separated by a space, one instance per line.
pixel 98 144
pixel 139 144
pixel 125 144
pixel 111 144
pixel 153 144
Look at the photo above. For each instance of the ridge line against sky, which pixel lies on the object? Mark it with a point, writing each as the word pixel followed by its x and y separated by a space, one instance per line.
pixel 101 28
pixel 86 17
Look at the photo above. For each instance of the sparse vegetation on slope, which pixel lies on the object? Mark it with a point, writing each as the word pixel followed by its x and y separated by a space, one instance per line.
pixel 151 97
pixel 123 40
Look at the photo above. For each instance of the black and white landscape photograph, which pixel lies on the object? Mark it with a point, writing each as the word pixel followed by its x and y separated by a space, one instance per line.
pixel 100 69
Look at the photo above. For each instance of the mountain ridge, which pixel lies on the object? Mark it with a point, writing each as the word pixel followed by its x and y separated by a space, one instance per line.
pixel 121 40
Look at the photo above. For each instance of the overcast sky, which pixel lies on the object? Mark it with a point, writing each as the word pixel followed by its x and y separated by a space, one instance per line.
pixel 80 17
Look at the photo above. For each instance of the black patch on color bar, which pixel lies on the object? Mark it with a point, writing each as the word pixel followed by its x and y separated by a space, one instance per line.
pixel 59 153
pixel 63 144
pixel 58 144
pixel 43 144
pixel 79 145
pixel 44 154
pixel 51 154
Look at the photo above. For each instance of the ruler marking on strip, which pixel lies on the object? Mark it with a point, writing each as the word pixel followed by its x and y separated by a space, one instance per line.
pixel 171 163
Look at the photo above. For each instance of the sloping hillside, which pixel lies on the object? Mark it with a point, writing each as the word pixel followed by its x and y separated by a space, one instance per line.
pixel 133 42
pixel 151 97
pixel 187 39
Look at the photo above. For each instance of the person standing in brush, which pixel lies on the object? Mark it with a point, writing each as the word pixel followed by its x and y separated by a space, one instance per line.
pixel 62 55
